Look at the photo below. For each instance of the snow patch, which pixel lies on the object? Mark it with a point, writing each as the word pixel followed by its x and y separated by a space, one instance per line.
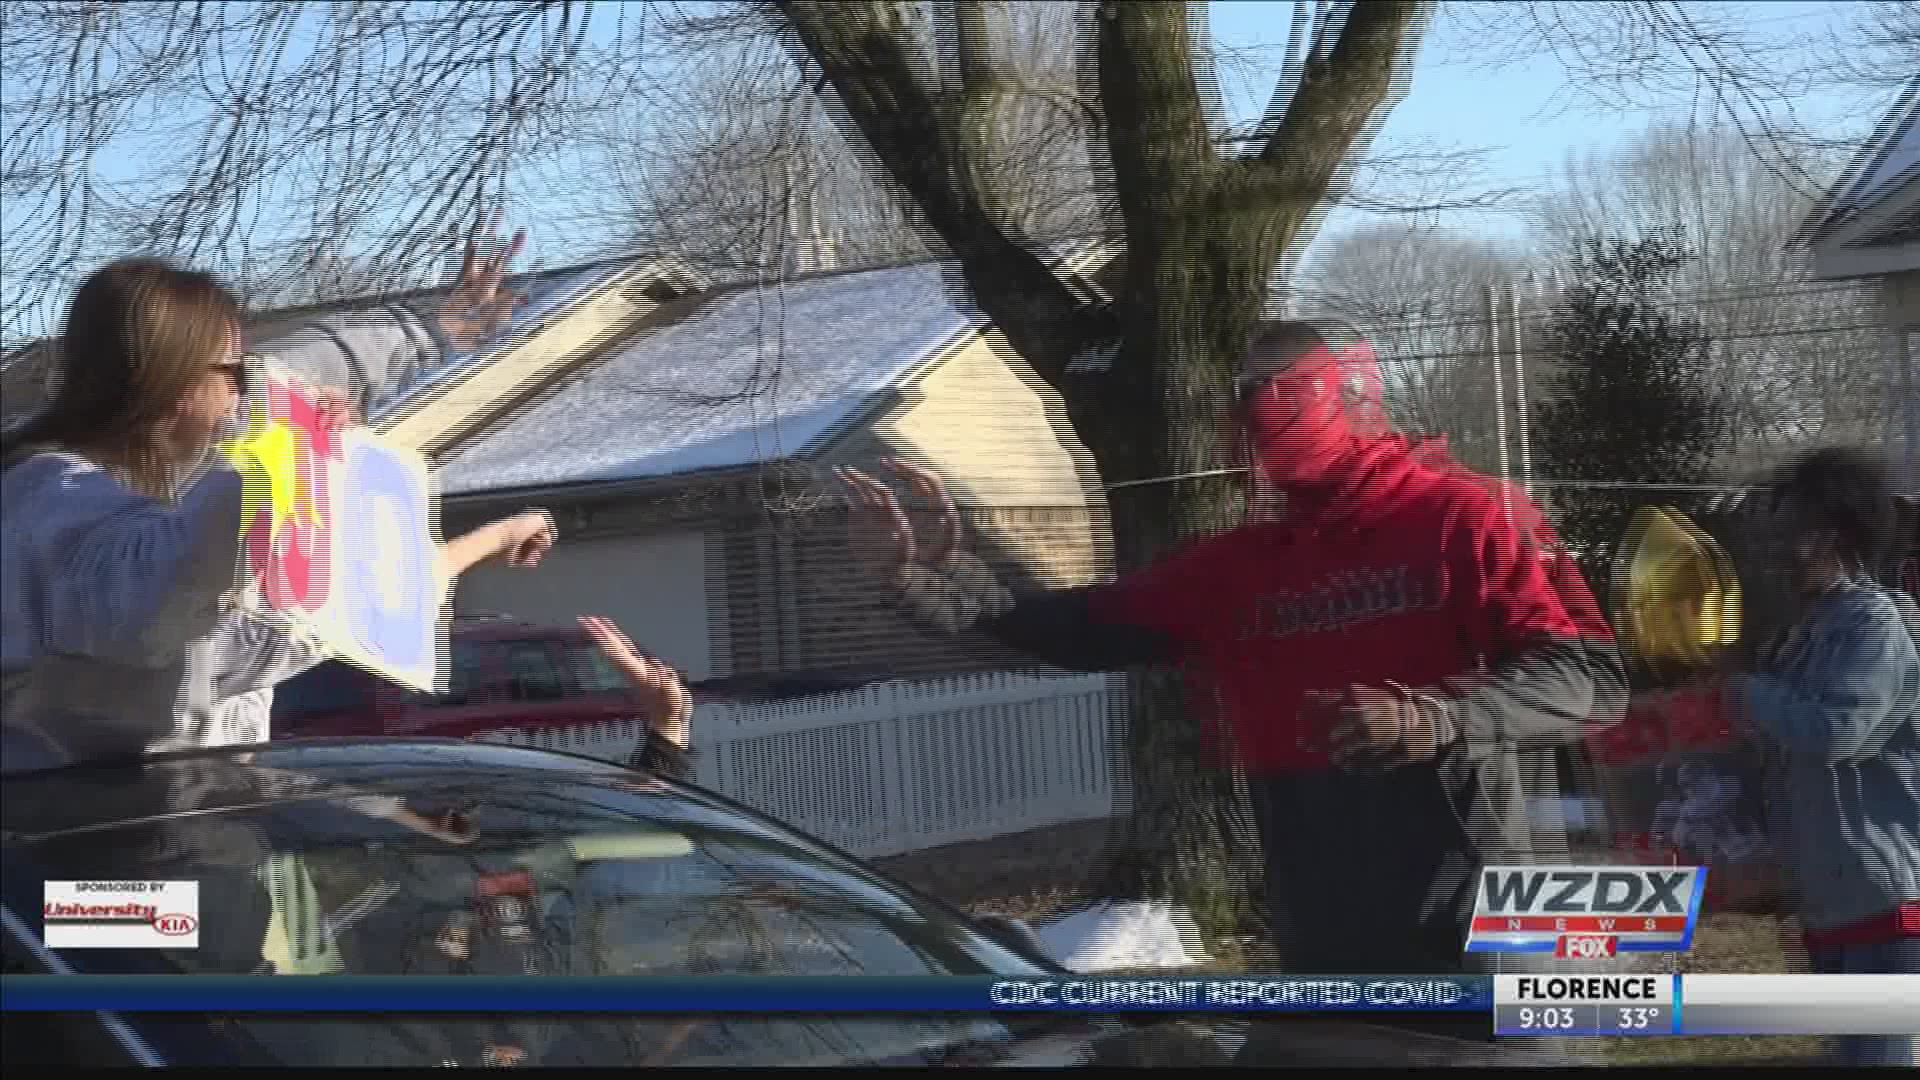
pixel 1123 934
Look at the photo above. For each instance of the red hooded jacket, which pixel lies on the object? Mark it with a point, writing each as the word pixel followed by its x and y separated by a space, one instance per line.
pixel 1389 563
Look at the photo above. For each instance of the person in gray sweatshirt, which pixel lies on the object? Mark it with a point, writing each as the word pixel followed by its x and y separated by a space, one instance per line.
pixel 1837 699
pixel 122 630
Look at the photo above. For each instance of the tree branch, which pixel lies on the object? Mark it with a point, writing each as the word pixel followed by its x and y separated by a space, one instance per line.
pixel 1158 136
pixel 862 50
pixel 1339 98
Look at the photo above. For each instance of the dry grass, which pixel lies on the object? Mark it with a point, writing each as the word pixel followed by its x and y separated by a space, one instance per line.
pixel 1039 874
pixel 1030 875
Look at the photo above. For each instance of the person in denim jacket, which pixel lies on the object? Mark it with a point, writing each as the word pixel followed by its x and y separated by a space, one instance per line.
pixel 1837 698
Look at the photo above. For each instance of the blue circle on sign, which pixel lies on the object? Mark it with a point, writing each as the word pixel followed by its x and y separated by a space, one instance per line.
pixel 392 600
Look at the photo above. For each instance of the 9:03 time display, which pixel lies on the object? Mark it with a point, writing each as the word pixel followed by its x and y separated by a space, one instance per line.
pixel 1547 1018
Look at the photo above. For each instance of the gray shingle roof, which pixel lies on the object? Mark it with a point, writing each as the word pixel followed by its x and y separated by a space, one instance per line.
pixel 755 375
pixel 1888 160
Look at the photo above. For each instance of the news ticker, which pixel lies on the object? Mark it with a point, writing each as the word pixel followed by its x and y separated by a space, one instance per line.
pixel 1662 1004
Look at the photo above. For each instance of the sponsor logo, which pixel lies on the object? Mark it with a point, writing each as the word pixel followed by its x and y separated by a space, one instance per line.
pixel 121 914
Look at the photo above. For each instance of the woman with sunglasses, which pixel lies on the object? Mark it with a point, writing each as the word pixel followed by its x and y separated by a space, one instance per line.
pixel 119 525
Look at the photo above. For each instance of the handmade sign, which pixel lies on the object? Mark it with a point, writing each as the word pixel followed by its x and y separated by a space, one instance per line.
pixel 340 533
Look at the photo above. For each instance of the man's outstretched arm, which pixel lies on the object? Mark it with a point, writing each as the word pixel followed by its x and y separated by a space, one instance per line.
pixel 946 590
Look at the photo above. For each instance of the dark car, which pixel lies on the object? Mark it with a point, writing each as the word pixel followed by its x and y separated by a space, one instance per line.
pixel 438 857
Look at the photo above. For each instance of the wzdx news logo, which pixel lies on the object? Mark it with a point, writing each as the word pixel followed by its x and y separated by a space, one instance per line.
pixel 1586 912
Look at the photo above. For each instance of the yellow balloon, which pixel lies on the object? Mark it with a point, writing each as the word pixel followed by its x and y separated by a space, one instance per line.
pixel 1676 593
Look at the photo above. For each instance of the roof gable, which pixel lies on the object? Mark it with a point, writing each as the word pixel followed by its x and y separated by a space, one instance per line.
pixel 1888 161
pixel 756 375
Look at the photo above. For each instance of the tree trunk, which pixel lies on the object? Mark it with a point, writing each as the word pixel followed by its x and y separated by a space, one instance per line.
pixel 1185 836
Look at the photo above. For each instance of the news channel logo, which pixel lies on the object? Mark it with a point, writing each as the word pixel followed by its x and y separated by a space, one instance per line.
pixel 1586 912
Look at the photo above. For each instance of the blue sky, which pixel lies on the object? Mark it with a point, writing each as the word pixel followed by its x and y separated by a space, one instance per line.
pixel 1525 114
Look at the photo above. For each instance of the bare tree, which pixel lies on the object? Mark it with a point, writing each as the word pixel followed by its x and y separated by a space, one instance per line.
pixel 1878 48
pixel 1421 293
pixel 277 139
pixel 1716 65
pixel 726 183
pixel 1792 360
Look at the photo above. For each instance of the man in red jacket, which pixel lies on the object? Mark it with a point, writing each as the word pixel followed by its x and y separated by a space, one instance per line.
pixel 1398 645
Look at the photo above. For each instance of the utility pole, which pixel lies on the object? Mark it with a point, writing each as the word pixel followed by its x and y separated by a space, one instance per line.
pixel 1903 421
pixel 1517 335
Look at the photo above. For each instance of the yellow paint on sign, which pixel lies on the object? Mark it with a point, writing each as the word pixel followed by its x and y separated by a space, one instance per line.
pixel 274 452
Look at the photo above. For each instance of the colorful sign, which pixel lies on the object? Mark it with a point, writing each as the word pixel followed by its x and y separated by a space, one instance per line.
pixel 339 532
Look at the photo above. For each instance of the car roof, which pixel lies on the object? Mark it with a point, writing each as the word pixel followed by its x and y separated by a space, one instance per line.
pixel 43 802
pixel 501 628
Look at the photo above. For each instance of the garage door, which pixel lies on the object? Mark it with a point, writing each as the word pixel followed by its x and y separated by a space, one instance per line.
pixel 655 587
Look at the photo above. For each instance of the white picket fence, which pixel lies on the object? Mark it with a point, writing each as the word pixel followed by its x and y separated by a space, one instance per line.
pixel 900 766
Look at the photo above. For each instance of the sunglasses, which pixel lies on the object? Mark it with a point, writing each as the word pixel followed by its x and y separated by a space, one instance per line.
pixel 1248 387
pixel 241 372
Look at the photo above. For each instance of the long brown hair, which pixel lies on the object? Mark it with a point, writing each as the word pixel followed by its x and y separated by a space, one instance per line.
pixel 139 334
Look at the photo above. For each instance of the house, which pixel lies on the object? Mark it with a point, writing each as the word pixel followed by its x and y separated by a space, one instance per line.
pixel 1868 226
pixel 688 463
pixel 690 471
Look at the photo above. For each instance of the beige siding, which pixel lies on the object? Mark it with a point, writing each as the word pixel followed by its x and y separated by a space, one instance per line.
pixel 790 590
pixel 805 595
pixel 1000 440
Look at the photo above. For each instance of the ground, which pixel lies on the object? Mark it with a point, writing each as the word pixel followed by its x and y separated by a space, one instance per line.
pixel 1034 875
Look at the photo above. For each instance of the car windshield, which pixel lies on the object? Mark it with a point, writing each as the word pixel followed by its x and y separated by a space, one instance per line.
pixel 419 865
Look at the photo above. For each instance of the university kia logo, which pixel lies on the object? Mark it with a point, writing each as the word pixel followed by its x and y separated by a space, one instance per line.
pixel 132 914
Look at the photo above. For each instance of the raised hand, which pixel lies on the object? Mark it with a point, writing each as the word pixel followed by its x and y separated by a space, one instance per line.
pixel 336 407
pixel 660 689
pixel 522 540
pixel 944 541
pixel 479 305
pixel 879 520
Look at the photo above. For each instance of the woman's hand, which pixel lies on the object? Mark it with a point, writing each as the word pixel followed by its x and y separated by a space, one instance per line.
pixel 337 409
pixel 522 540
pixel 480 305
pixel 662 694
